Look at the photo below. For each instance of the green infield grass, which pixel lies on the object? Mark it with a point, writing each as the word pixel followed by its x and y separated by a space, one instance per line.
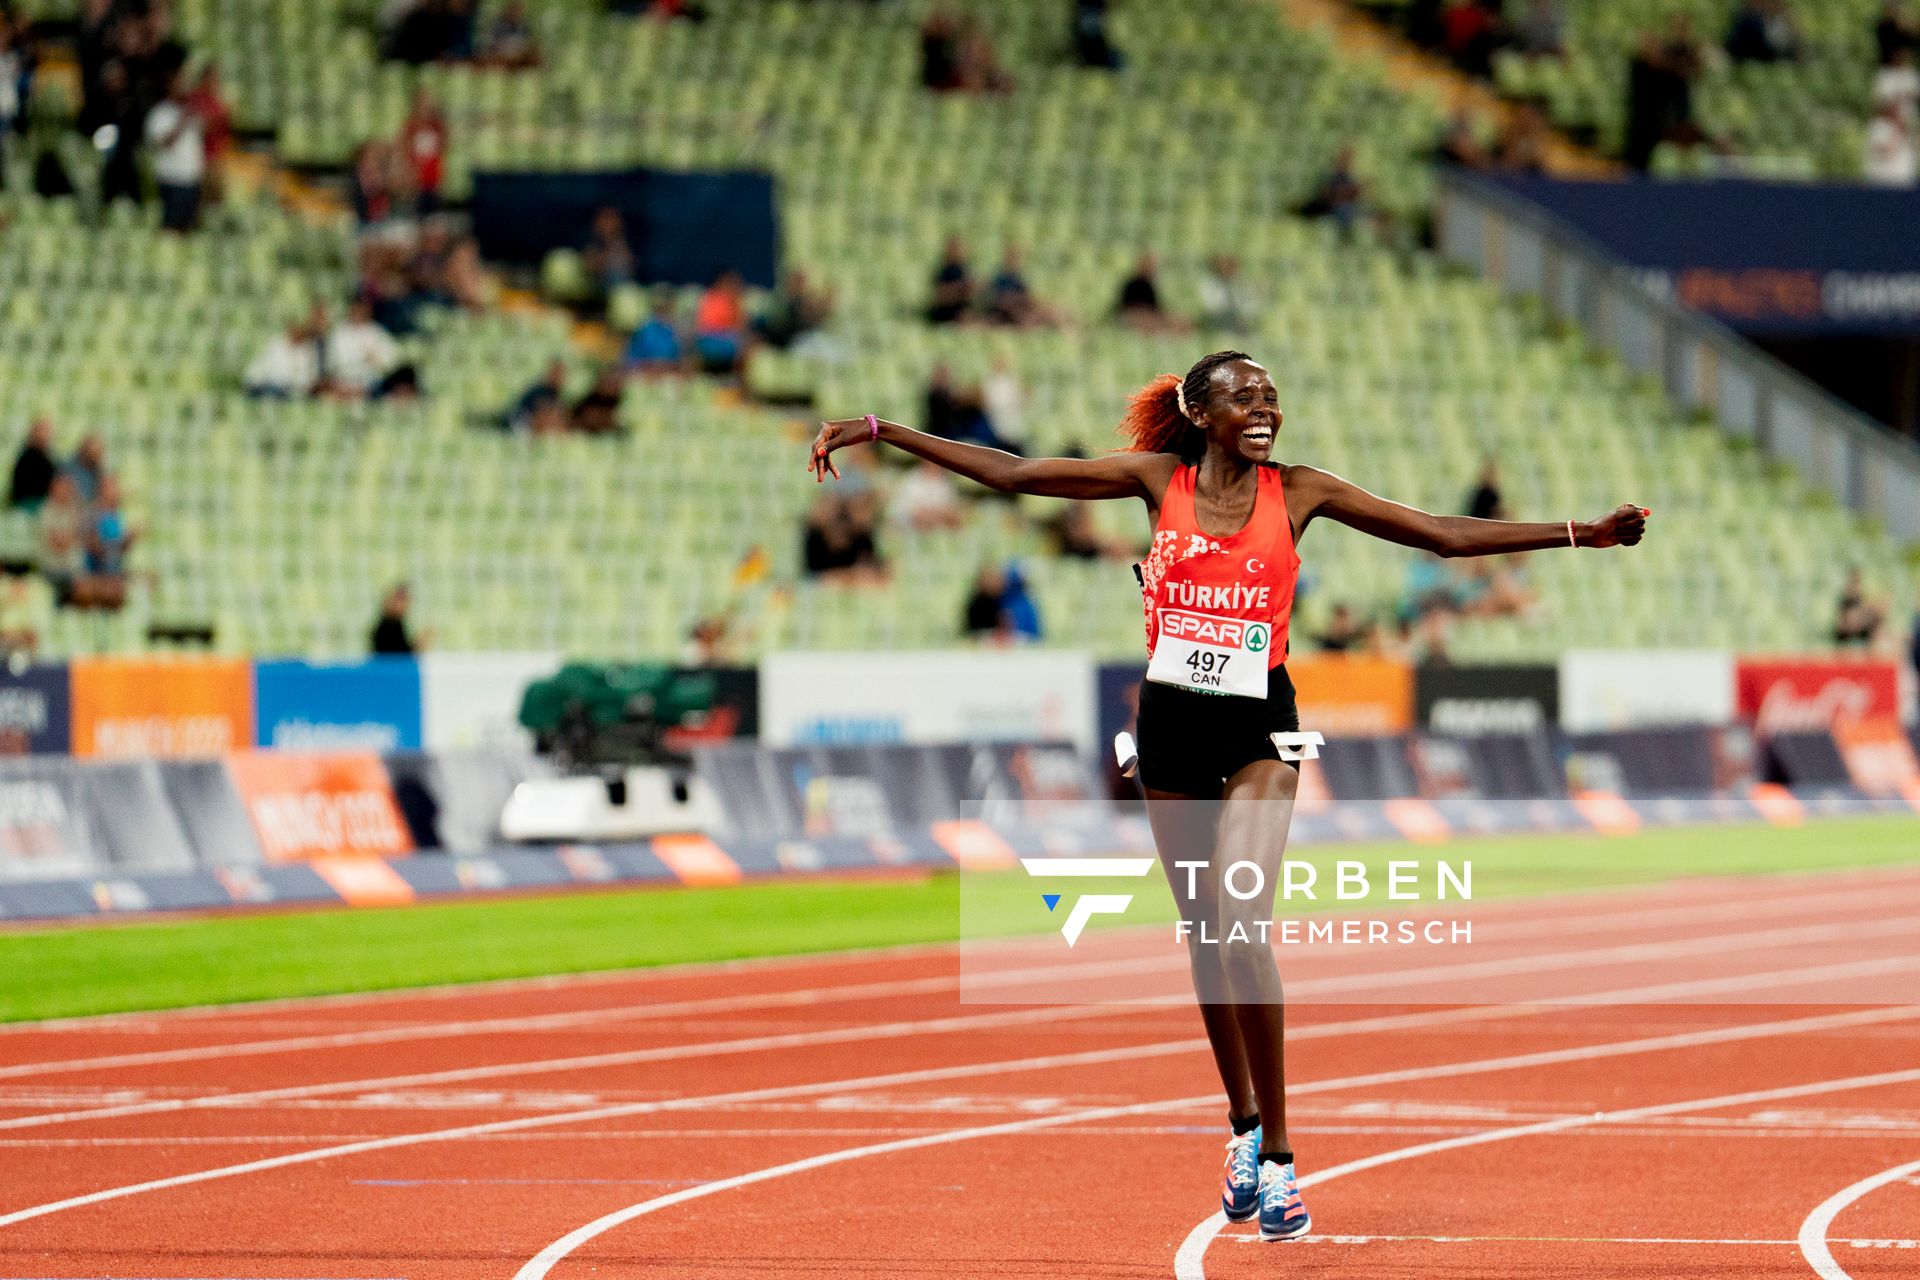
pixel 115 966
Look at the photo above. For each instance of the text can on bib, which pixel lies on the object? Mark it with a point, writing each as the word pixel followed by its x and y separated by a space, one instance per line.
pixel 1212 654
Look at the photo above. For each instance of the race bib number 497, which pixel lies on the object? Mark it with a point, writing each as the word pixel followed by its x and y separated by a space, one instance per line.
pixel 1218 655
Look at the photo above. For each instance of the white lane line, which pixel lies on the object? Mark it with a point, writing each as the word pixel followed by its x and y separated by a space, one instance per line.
pixel 1189 1261
pixel 807 996
pixel 1783 900
pixel 1863 1242
pixel 1813 1232
pixel 1773 980
pixel 542 1263
pixel 1645 1045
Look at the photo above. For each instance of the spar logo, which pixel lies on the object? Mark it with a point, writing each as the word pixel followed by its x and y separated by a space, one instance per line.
pixel 1226 633
pixel 1089 905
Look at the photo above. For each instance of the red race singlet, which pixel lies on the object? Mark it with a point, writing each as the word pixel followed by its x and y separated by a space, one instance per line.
pixel 1217 608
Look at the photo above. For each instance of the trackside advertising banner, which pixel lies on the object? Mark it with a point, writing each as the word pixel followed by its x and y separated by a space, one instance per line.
pixel 36 710
pixel 811 699
pixel 1786 695
pixel 1602 690
pixel 345 706
pixel 306 807
pixel 1353 695
pixel 472 700
pixel 1470 701
pixel 168 707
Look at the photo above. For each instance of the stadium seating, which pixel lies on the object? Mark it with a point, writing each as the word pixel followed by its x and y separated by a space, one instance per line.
pixel 1800 119
pixel 282 522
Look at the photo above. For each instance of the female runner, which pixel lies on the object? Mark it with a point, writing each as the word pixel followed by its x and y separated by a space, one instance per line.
pixel 1218 587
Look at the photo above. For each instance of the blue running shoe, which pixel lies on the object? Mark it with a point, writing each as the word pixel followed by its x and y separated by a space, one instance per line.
pixel 1240 1193
pixel 1282 1215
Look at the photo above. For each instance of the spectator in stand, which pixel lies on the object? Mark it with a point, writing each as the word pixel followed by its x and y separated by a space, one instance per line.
pixel 360 356
pixel 1762 31
pixel 466 282
pixel 984 618
pixel 980 69
pixel 541 409
pixel 433 31
pixel 940 36
pixel 509 41
pixel 423 142
pixel 427 266
pixel 109 538
pixel 1138 304
pixel 958 413
pixel 175 133
pixel 1010 301
pixel 1092 46
pixel 1660 88
pixel 1005 403
pixel 952 284
pixel 391 635
pixel 1227 302
pixel 1485 503
pixel 372 194
pixel 1898 82
pixel 597 413
pixel 927 500
pixel 655 347
pixel 1460 144
pixel 794 311
pixel 1470 34
pixel 13 70
pixel 1542 33
pixel 1889 159
pixel 33 468
pixel 1895 30
pixel 19 620
pixel 1344 633
pixel 608 255
pixel 720 329
pixel 288 367
pixel 1018 608
pixel 87 468
pixel 1076 535
pixel 839 542
pixel 1522 144
pixel 1856 619
pixel 216 131
pixel 1341 195
pixel 114 119
pixel 63 544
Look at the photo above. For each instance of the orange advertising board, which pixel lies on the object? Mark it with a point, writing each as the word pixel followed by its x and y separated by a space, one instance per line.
pixel 1353 695
pixel 169 707
pixel 321 806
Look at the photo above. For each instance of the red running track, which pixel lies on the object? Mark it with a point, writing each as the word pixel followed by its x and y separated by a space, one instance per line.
pixel 850 1116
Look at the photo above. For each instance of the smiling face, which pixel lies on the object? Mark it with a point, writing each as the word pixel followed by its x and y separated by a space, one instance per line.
pixel 1241 415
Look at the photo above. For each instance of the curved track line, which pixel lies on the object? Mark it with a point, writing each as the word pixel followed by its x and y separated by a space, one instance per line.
pixel 1813 1232
pixel 1189 1261
pixel 544 1262
pixel 1772 980
pixel 1610 1049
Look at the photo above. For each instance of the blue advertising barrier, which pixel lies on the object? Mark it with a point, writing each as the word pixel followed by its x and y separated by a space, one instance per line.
pixel 350 706
pixel 1761 257
pixel 36 710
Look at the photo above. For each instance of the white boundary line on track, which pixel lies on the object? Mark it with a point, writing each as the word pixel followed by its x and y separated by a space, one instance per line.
pixel 1630 995
pixel 805 996
pixel 1642 1045
pixel 1189 1261
pixel 1582 902
pixel 542 1263
pixel 1813 1232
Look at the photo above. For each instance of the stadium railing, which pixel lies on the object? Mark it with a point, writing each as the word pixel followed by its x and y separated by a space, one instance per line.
pixel 1528 252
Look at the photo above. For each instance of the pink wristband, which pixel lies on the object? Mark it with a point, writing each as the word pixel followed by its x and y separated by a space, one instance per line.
pixel 1570 538
pixel 873 425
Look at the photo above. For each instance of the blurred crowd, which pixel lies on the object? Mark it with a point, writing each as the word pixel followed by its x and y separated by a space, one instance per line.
pixel 82 534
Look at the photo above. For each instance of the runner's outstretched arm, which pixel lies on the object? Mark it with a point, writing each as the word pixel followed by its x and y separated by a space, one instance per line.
pixel 1312 492
pixel 1116 475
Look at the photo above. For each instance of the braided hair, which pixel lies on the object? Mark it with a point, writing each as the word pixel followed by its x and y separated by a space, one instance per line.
pixel 1158 418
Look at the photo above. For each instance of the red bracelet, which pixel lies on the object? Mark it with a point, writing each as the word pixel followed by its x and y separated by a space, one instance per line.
pixel 1570 538
pixel 873 425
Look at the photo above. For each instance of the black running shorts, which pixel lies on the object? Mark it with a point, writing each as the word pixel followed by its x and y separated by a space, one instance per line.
pixel 1192 742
